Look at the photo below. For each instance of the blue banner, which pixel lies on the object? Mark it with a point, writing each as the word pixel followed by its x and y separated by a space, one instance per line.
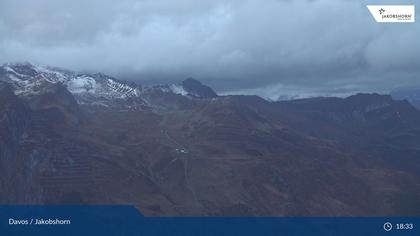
pixel 127 220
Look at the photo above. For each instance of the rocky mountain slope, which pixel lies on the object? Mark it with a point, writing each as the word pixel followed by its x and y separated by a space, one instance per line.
pixel 180 149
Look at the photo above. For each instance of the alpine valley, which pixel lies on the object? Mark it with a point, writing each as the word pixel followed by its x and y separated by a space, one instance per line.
pixel 183 150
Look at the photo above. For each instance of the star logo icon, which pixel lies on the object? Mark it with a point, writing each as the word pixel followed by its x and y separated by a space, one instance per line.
pixel 381 11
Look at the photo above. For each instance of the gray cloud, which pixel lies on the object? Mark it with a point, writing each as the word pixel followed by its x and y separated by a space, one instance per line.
pixel 266 47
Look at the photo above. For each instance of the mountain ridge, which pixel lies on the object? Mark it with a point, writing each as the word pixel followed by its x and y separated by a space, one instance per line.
pixel 88 86
pixel 28 78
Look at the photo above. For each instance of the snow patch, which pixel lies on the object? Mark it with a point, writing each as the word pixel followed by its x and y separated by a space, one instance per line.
pixel 81 84
pixel 178 89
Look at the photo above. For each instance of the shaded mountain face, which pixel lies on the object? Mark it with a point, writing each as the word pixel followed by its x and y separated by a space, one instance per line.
pixel 182 150
pixel 197 89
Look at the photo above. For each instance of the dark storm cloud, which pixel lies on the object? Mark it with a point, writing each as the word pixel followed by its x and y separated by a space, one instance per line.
pixel 267 47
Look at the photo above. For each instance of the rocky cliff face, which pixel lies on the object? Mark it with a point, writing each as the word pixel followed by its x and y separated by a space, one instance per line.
pixel 182 150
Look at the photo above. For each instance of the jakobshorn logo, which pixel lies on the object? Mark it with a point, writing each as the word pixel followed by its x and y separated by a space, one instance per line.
pixel 381 11
pixel 393 13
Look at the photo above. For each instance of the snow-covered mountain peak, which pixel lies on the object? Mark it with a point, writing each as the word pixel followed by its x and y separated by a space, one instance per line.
pixel 97 88
pixel 27 78
pixel 28 70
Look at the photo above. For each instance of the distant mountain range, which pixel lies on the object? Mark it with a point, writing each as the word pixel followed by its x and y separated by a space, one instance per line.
pixel 180 149
pixel 100 89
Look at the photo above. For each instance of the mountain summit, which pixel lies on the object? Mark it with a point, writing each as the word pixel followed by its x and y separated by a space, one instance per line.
pixel 196 89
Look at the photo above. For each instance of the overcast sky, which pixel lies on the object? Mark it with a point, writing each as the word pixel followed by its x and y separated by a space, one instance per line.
pixel 265 47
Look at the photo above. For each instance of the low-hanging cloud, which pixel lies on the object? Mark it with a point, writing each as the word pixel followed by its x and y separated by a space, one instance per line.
pixel 264 47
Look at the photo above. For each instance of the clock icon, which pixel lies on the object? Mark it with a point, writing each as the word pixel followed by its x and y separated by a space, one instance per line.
pixel 387 226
